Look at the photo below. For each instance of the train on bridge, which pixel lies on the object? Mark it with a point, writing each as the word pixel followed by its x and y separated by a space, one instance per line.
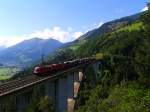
pixel 52 68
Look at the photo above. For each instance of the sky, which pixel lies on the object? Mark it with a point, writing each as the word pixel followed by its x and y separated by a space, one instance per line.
pixel 64 20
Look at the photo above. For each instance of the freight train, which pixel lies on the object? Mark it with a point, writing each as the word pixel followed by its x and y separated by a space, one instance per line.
pixel 53 68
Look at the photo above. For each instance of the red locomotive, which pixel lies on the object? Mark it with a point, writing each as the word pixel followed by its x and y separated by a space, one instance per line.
pixel 47 69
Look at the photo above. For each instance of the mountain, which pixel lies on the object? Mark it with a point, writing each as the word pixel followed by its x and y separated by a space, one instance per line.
pixel 110 26
pixel 2 48
pixel 28 51
pixel 123 77
pixel 124 72
pixel 106 28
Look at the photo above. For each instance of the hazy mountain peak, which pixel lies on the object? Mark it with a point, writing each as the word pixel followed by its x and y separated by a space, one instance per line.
pixel 28 51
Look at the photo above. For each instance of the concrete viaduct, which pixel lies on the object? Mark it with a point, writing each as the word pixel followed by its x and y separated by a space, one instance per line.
pixel 62 88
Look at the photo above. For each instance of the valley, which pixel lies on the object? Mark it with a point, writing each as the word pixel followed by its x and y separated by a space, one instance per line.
pixel 106 69
pixel 7 72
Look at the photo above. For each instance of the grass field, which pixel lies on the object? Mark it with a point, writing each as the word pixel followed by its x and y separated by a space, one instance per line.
pixel 7 72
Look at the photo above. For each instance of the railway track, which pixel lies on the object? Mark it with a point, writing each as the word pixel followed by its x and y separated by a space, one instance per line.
pixel 19 84
pixel 15 85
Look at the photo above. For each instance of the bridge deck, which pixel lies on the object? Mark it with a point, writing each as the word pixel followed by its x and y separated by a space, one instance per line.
pixel 15 85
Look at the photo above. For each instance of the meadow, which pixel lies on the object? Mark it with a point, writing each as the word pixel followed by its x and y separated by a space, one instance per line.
pixel 7 72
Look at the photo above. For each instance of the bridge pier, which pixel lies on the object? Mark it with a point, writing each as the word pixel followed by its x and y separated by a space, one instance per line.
pixel 70 92
pixel 25 97
pixel 96 67
pixel 70 86
pixel 62 94
pixel 67 91
pixel 78 77
pixel 7 104
pixel 67 88
pixel 22 101
pixel 50 90
pixel 16 102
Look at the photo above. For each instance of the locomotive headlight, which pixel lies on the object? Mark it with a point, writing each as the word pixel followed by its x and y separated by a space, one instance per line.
pixel 36 69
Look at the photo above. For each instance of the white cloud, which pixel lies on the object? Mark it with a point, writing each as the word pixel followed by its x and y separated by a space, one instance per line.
pixel 144 9
pixel 56 33
pixel 76 35
pixel 9 41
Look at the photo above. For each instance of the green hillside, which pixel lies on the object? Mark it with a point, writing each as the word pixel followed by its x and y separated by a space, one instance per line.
pixel 124 86
pixel 7 72
pixel 124 83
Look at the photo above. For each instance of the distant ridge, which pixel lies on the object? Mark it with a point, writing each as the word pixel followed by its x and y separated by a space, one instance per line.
pixel 106 28
pixel 28 51
pixel 110 26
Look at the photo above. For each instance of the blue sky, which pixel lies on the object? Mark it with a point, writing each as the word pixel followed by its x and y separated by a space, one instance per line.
pixel 64 20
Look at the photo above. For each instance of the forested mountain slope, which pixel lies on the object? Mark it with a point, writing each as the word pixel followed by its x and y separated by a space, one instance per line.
pixel 124 83
pixel 105 28
pixel 124 86
pixel 110 26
